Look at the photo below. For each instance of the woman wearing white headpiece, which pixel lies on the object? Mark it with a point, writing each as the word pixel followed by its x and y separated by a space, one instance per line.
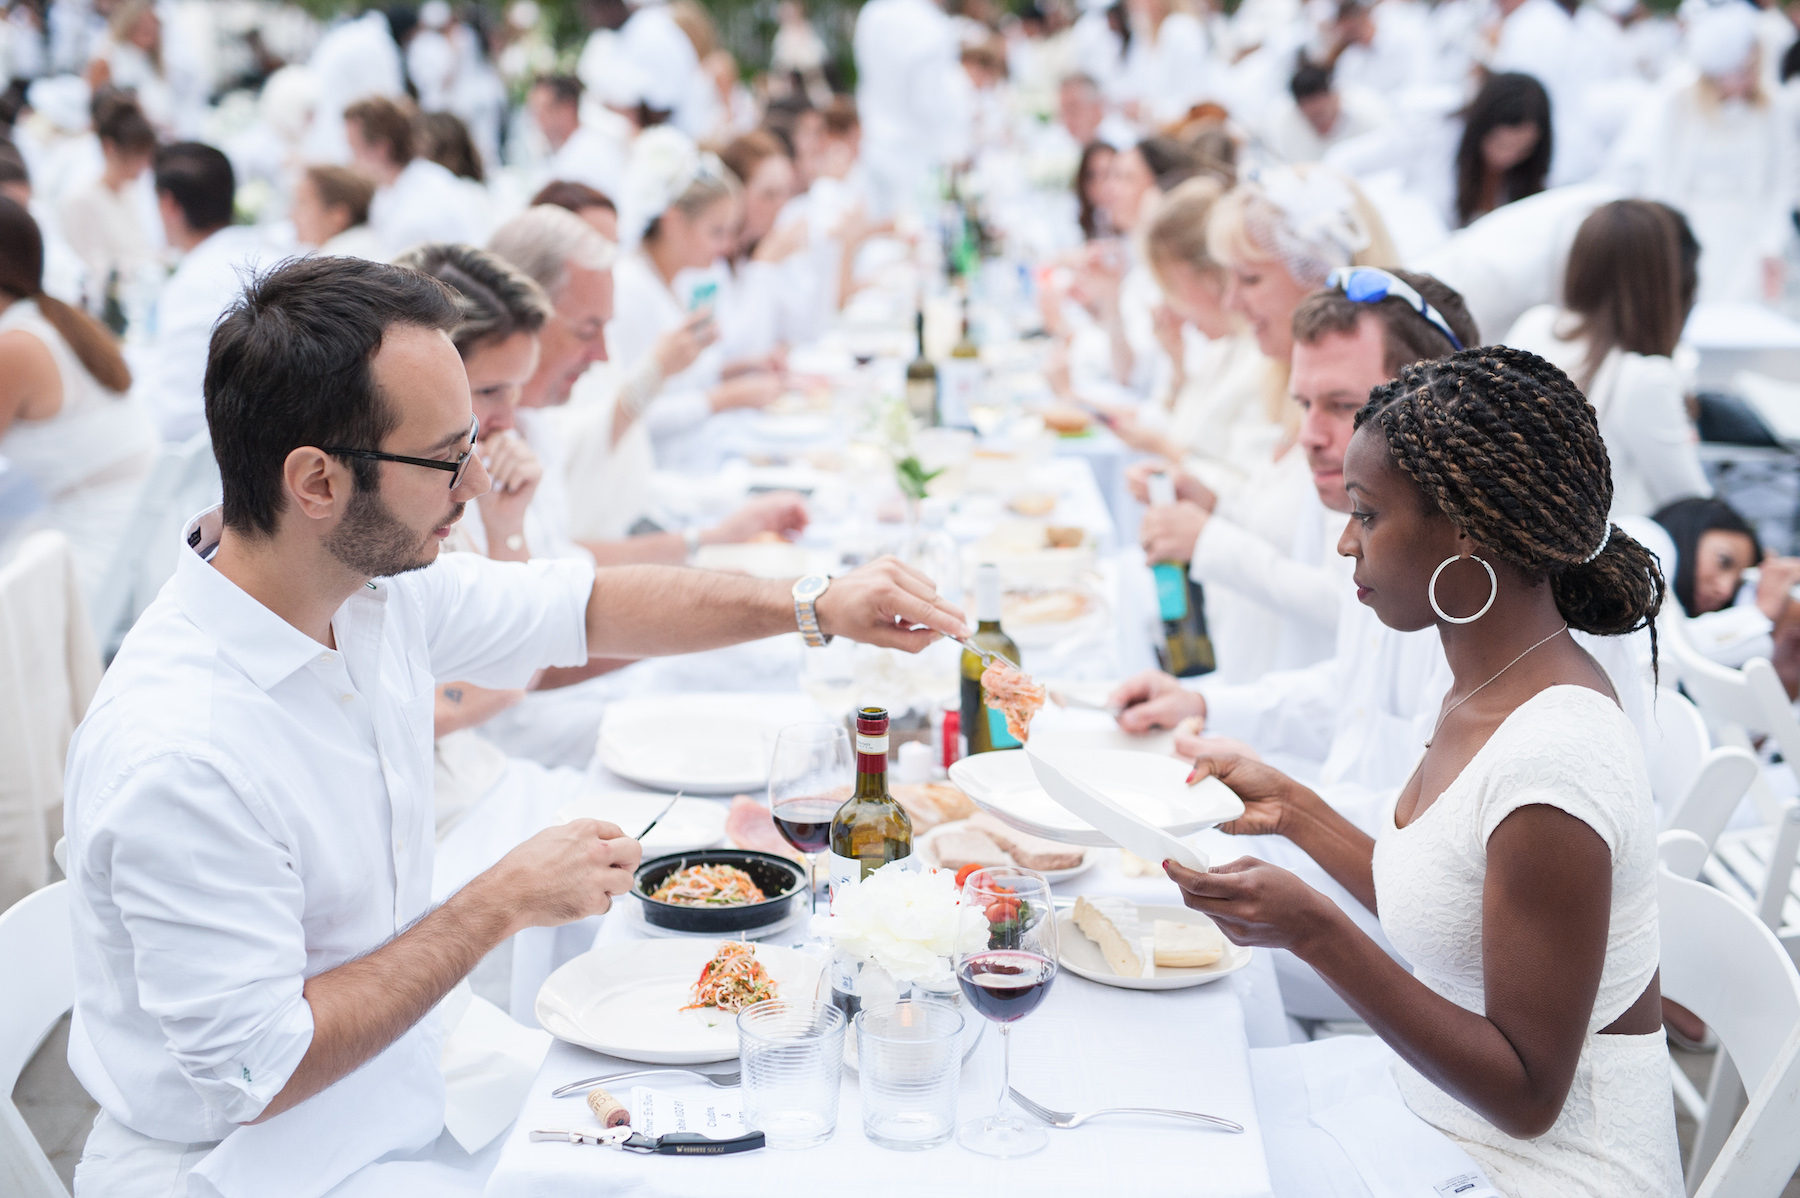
pixel 678 219
pixel 1720 150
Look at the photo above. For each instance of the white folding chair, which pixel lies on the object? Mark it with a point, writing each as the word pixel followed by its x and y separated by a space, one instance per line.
pixel 37 988
pixel 1763 1152
pixel 1754 866
pixel 184 481
pixel 1723 964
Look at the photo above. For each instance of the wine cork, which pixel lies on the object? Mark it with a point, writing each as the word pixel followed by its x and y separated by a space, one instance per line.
pixel 607 1109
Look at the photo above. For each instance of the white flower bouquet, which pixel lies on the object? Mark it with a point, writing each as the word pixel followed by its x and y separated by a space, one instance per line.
pixel 908 922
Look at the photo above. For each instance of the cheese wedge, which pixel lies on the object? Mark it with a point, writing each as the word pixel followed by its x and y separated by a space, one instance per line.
pixel 1112 923
pixel 1187 945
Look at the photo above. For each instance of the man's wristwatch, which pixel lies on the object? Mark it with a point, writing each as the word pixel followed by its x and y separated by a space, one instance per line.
pixel 690 538
pixel 806 594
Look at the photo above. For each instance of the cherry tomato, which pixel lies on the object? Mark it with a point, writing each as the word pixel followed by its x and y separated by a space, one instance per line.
pixel 962 875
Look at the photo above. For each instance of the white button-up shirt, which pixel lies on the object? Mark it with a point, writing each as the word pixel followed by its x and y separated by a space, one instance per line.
pixel 247 808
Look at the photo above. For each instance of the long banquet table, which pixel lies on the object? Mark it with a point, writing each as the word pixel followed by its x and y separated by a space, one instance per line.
pixel 1089 1045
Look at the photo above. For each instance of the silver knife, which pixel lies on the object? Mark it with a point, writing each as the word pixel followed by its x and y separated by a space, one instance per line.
pixel 1125 827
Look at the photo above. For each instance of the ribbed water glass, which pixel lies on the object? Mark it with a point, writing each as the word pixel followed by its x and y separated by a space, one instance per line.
pixel 792 1056
pixel 909 1062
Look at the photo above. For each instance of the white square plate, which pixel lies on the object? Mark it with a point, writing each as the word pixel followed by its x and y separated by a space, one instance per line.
pixel 1151 786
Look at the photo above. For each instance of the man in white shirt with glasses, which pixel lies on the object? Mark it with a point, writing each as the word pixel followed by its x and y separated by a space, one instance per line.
pixel 249 800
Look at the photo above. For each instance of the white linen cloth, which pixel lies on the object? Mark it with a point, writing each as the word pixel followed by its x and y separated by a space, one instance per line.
pixel 49 668
pixel 1088 1046
pixel 425 203
pixel 209 280
pixel 89 459
pixel 1640 403
pixel 1571 748
pixel 247 808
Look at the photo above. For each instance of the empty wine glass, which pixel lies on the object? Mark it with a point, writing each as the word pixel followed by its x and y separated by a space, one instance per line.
pixel 1005 980
pixel 809 779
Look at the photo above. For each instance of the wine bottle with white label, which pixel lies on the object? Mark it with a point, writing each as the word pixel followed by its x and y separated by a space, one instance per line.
pixel 870 829
pixel 985 727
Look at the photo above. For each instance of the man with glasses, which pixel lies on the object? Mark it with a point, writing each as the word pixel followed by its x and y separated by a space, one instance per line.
pixel 249 800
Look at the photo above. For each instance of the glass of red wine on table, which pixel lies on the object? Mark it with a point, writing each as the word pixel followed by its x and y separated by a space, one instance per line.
pixel 1005 980
pixel 810 776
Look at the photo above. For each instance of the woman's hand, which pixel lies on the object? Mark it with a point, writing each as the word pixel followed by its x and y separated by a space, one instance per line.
pixel 676 349
pixel 1271 798
pixel 782 242
pixel 1187 487
pixel 1777 578
pixel 777 512
pixel 515 471
pixel 1256 903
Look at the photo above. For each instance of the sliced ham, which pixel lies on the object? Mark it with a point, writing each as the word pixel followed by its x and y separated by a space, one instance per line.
pixel 748 825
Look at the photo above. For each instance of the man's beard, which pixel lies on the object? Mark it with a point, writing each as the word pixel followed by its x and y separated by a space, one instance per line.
pixel 373 542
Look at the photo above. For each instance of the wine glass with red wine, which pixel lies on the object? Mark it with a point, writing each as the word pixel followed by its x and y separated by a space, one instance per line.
pixel 809 778
pixel 1005 980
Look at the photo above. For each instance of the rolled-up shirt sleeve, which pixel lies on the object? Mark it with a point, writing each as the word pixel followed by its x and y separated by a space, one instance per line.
pixel 496 623
pixel 212 903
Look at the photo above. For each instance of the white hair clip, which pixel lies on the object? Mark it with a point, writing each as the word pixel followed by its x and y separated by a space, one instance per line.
pixel 1320 228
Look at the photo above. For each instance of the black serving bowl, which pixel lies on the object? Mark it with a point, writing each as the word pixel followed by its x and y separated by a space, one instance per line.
pixel 778 878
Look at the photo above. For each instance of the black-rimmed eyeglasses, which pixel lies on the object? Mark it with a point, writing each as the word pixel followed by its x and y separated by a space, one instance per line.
pixel 457 465
pixel 1369 285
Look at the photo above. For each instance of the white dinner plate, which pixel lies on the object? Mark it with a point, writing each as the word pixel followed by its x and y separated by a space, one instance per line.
pixel 1079 955
pixel 690 824
pixel 625 999
pixel 1151 786
pixel 923 845
pixel 717 744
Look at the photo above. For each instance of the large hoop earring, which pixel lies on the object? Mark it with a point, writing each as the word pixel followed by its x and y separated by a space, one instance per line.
pixel 1493 592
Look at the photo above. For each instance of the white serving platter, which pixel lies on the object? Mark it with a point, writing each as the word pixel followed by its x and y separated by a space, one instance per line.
pixel 923 846
pixel 1079 955
pixel 625 999
pixel 706 744
pixel 1151 786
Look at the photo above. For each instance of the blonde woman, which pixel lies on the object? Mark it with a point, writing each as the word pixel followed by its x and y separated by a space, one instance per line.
pixel 679 220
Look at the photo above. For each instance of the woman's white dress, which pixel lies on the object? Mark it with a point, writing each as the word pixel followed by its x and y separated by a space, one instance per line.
pixel 88 460
pixel 1571 748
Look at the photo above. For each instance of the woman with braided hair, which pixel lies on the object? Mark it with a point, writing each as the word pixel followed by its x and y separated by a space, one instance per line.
pixel 1517 872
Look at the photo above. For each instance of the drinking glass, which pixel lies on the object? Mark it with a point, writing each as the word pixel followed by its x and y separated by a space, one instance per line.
pixel 909 1060
pixel 809 779
pixel 792 1058
pixel 1005 980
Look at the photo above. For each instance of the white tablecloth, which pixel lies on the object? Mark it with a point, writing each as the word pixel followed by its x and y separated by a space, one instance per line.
pixel 1090 1045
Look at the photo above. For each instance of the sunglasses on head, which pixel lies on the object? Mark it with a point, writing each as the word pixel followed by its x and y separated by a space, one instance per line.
pixel 1368 285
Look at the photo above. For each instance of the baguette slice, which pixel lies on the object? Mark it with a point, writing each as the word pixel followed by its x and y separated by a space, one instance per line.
pixel 1112 923
pixel 1187 945
pixel 957 847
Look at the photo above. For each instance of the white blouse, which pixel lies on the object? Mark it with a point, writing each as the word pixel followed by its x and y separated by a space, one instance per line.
pixel 1571 748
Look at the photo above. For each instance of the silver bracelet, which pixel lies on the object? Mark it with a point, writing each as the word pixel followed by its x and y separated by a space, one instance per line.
pixel 691 538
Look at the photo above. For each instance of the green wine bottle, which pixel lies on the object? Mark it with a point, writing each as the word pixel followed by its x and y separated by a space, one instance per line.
pixel 870 829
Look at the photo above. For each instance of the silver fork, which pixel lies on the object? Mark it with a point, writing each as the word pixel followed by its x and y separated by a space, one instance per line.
pixel 1067 1119
pixel 723 1081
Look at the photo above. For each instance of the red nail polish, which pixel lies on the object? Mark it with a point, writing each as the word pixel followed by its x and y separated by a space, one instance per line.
pixel 1190 777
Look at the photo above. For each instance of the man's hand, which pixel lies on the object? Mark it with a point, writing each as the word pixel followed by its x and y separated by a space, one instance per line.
pixel 1168 533
pixel 746 391
pixel 1155 700
pixel 777 511
pixel 676 349
pixel 560 875
pixel 883 602
pixel 1188 489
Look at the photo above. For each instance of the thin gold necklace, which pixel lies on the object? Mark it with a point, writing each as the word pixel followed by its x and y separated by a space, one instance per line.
pixel 1509 665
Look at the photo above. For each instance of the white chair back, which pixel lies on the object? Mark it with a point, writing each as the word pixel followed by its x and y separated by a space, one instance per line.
pixel 183 483
pixel 48 671
pixel 1759 1159
pixel 1725 777
pixel 1674 754
pixel 37 987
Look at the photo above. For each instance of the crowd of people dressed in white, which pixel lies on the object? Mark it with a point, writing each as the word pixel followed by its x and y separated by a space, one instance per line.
pixel 1229 230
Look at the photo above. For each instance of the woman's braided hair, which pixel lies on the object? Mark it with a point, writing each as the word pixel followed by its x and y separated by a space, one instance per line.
pixel 1508 448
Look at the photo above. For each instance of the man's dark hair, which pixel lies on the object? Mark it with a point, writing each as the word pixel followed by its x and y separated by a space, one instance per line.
pixel 565 88
pixel 199 179
pixel 383 122
pixel 1407 336
pixel 292 364
pixel 1309 79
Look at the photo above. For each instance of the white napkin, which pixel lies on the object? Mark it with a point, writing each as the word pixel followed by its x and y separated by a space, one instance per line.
pixel 489 1060
pixel 1350 1087
pixel 707 1111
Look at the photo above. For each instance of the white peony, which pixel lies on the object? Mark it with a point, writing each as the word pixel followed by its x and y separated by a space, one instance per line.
pixel 908 922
